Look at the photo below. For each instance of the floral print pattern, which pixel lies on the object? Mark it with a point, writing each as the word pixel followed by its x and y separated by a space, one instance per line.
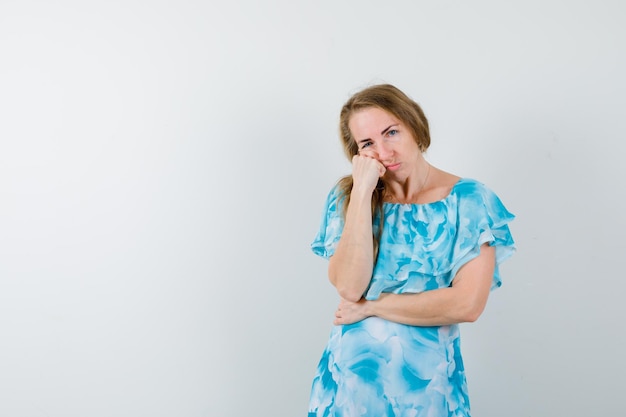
pixel 380 368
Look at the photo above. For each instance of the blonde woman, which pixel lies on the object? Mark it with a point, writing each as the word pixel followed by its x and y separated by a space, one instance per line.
pixel 413 251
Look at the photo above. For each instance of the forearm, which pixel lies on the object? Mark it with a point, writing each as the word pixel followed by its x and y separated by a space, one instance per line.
pixel 350 268
pixel 430 308
pixel 464 301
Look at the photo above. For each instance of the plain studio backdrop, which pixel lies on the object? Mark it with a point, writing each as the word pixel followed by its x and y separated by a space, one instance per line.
pixel 163 168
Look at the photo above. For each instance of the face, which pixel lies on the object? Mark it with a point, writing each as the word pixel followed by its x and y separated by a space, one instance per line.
pixel 380 135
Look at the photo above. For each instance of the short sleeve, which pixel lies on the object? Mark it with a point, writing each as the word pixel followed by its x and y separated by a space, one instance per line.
pixel 482 218
pixel 331 226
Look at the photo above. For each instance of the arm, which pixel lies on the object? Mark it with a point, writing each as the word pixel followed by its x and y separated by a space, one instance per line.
pixel 464 301
pixel 350 268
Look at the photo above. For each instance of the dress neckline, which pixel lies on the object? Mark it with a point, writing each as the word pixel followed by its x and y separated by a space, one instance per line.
pixel 456 184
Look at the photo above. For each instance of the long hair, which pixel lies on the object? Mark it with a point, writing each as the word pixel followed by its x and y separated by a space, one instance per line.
pixel 390 99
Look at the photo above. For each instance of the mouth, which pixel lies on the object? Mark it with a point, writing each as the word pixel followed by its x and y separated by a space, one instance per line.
pixel 392 167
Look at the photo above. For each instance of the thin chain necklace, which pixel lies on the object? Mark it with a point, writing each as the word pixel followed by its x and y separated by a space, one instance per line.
pixel 393 198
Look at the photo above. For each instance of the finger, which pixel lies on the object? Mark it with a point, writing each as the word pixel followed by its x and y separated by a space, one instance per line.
pixel 369 160
pixel 380 167
pixel 369 154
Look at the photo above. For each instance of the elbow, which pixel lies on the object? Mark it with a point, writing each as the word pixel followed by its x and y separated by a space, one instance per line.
pixel 471 316
pixel 347 290
pixel 471 313
pixel 350 294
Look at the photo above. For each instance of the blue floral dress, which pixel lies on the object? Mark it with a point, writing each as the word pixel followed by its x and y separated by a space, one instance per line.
pixel 379 368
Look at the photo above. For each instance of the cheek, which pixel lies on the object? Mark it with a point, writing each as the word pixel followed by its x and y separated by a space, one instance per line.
pixel 412 147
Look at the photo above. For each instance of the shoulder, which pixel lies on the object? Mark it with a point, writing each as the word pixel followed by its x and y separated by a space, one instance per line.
pixel 341 188
pixel 470 186
pixel 469 191
pixel 337 195
pixel 475 198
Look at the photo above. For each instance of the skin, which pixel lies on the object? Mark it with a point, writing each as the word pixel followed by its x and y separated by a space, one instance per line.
pixel 387 150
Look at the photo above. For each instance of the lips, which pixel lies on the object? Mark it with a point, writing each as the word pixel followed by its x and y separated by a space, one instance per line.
pixel 393 167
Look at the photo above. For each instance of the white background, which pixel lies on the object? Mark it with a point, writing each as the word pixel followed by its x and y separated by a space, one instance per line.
pixel 163 167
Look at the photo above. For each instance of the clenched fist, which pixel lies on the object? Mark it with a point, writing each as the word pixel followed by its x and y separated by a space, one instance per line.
pixel 366 170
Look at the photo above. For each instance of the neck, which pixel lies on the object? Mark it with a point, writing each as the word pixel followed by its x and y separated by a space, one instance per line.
pixel 409 190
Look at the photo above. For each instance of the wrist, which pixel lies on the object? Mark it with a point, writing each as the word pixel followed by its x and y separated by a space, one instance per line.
pixel 361 194
pixel 369 308
pixel 373 307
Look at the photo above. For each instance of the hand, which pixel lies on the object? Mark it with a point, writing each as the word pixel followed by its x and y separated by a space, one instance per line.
pixel 349 312
pixel 366 170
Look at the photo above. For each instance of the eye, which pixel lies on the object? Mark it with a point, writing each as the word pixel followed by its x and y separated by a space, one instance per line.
pixel 366 144
pixel 392 132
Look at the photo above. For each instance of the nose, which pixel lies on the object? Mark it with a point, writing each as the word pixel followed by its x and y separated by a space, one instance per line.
pixel 384 151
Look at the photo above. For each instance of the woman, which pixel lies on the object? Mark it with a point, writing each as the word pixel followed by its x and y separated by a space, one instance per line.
pixel 413 251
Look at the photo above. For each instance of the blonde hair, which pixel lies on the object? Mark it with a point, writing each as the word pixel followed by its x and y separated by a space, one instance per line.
pixel 390 99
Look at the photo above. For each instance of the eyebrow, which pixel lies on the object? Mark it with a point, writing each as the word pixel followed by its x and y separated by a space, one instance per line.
pixel 385 130
pixel 389 127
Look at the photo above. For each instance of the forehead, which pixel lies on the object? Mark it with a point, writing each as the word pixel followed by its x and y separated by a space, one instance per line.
pixel 370 120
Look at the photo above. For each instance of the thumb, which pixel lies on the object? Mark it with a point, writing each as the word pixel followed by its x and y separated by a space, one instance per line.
pixel 381 169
